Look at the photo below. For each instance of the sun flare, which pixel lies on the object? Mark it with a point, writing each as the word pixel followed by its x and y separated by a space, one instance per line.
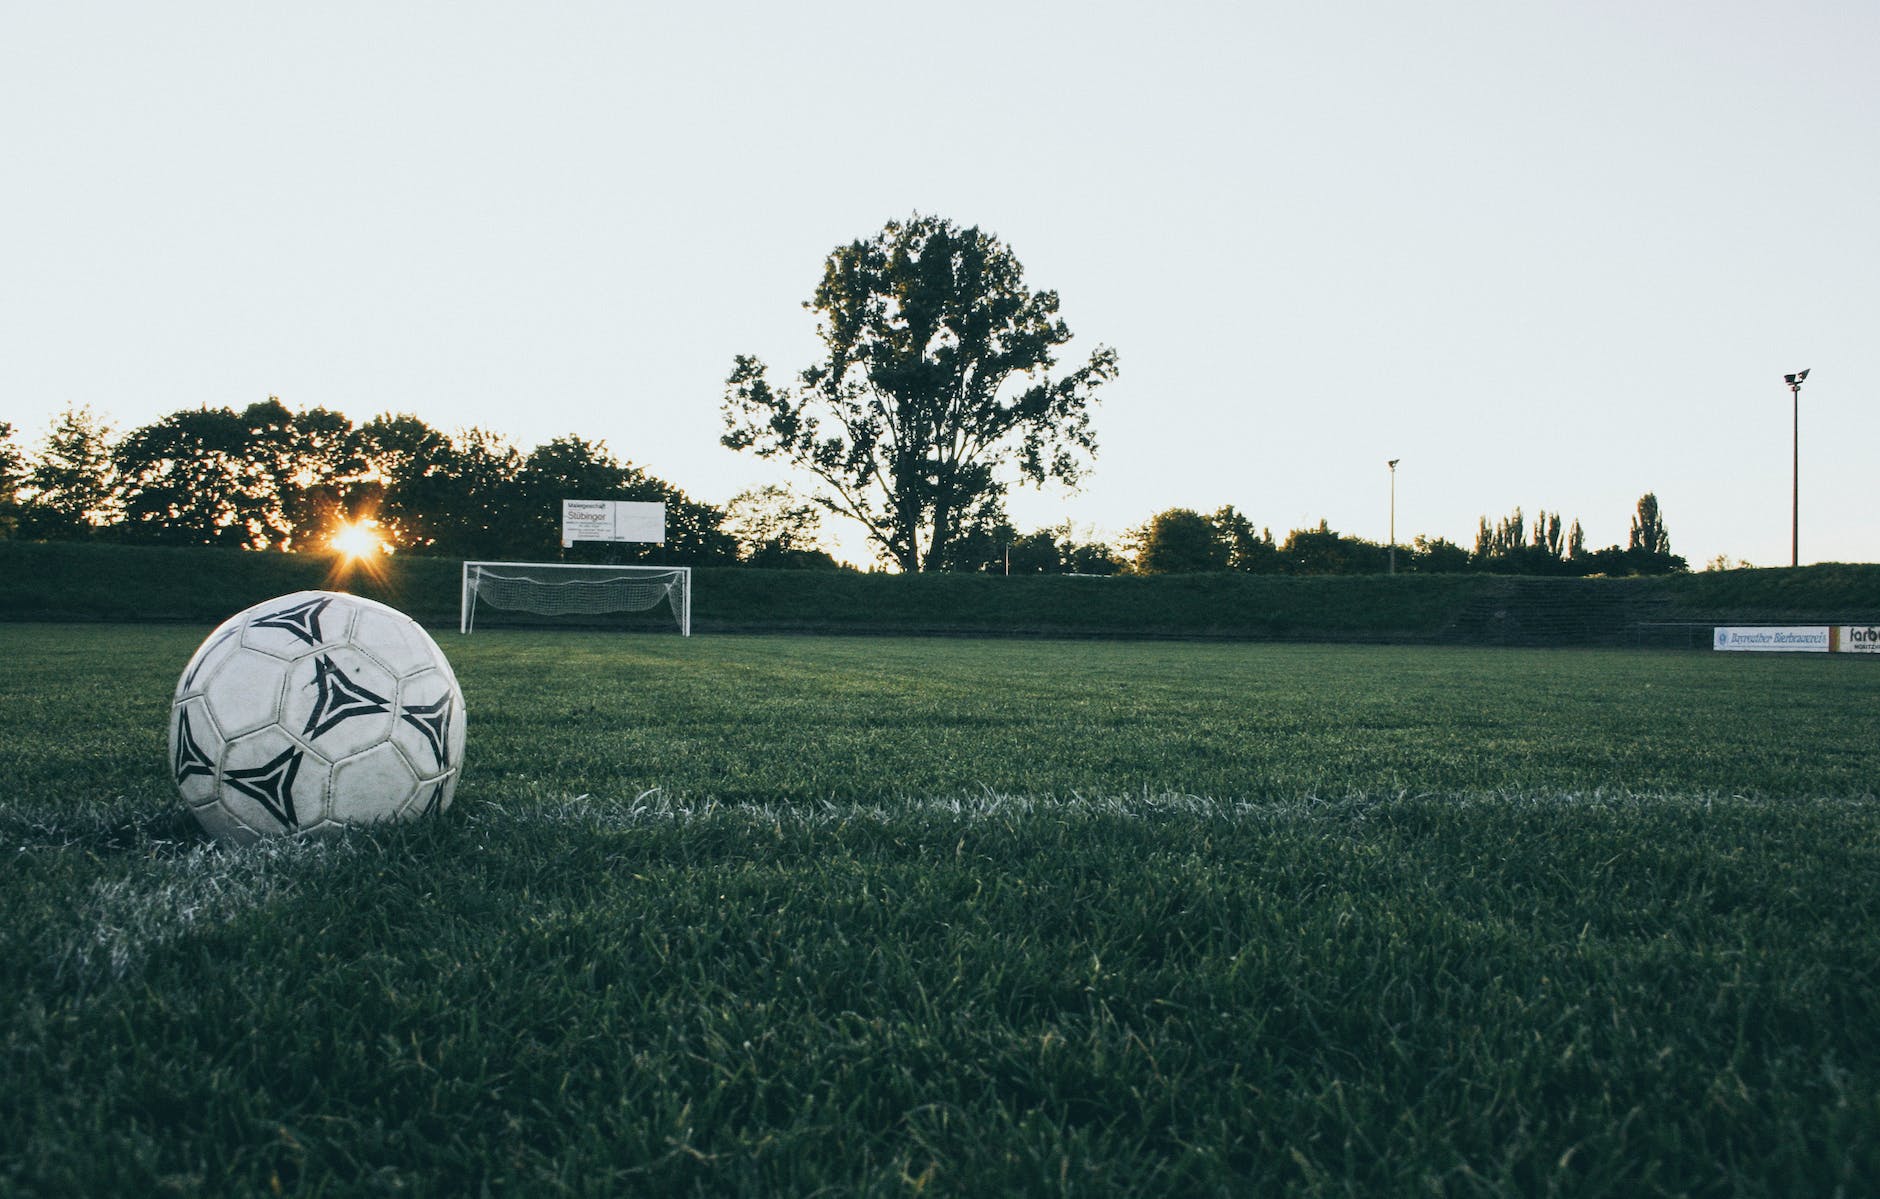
pixel 356 539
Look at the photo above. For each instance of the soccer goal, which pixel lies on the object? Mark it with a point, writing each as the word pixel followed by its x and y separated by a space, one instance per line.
pixel 563 589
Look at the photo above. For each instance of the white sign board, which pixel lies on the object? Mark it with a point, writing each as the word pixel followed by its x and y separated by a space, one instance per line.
pixel 1786 639
pixel 1858 639
pixel 612 520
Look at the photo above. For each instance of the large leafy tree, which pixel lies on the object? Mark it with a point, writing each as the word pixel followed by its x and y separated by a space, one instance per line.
pixel 937 384
pixel 264 477
pixel 186 480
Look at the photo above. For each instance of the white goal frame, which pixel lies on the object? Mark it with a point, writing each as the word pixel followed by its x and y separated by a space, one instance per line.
pixel 681 576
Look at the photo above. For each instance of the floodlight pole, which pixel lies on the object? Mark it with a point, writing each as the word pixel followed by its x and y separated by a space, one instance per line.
pixel 1795 478
pixel 1393 513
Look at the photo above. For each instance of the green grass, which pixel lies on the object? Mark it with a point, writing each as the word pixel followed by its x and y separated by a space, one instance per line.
pixel 774 915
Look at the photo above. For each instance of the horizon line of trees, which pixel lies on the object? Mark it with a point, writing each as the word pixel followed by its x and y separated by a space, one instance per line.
pixel 267 477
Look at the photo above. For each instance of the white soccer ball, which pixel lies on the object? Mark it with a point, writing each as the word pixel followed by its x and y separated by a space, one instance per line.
pixel 315 712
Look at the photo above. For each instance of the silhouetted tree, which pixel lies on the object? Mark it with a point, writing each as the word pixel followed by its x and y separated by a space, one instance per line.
pixel 1436 555
pixel 1648 547
pixel 12 478
pixel 400 453
pixel 186 479
pixel 1248 549
pixel 71 485
pixel 936 384
pixel 1648 528
pixel 980 538
pixel 1179 541
pixel 1324 551
pixel 776 528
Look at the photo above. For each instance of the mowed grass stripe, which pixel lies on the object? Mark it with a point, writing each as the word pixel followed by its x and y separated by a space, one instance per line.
pixel 1050 918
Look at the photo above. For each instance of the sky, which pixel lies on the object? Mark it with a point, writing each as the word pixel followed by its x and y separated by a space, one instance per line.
pixel 1550 255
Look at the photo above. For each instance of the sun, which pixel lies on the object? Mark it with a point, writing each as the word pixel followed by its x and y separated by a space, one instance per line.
pixel 356 539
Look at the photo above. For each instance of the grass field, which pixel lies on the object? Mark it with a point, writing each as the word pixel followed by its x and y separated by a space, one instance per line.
pixel 744 915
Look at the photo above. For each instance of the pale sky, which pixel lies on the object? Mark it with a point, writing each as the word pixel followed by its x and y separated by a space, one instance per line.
pixel 1549 254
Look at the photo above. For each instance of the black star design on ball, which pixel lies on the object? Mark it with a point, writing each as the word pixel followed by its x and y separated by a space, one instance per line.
pixel 339 699
pixel 271 784
pixel 189 756
pixel 433 720
pixel 302 620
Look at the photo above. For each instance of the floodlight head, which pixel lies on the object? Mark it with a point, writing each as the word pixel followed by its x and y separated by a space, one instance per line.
pixel 1795 380
pixel 1393 463
pixel 1789 379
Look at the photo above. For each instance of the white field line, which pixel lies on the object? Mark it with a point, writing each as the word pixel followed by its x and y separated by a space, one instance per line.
pixel 656 807
pixel 121 920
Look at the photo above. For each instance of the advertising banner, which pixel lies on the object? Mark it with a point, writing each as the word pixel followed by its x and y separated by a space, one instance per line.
pixel 612 520
pixel 1788 639
pixel 1858 639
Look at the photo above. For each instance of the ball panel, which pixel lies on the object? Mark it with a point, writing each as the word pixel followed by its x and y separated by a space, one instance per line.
pixel 221 824
pixel 373 786
pixel 243 693
pixel 272 783
pixel 297 624
pixel 216 647
pixel 395 639
pixel 339 701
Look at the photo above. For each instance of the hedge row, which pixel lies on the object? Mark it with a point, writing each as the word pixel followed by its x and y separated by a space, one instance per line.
pixel 80 581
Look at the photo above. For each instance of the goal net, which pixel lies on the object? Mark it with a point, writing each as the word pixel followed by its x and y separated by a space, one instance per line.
pixel 555 589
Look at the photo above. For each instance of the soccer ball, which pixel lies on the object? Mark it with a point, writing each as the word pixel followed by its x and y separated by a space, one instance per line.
pixel 315 712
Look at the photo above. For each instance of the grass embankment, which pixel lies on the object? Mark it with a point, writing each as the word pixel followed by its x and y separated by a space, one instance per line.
pixel 96 582
pixel 968 917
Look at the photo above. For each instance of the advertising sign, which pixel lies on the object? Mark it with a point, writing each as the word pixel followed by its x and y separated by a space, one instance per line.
pixel 1788 639
pixel 1858 639
pixel 612 520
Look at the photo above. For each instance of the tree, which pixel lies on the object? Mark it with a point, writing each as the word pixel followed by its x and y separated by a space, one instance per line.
pixel 1437 555
pixel 185 481
pixel 1179 541
pixel 1648 548
pixel 980 538
pixel 1648 528
pixel 1247 549
pixel 937 383
pixel 319 468
pixel 1037 553
pixel 775 527
pixel 12 477
pixel 1091 558
pixel 71 481
pixel 1325 551
pixel 262 478
pixel 400 451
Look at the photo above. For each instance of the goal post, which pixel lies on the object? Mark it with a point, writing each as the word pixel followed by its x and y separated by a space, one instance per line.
pixel 567 589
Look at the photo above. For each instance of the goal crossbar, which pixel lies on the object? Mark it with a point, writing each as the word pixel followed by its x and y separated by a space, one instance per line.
pixel 564 589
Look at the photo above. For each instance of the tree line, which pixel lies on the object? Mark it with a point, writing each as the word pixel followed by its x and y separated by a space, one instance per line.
pixel 267 477
pixel 1182 540
pixel 938 391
